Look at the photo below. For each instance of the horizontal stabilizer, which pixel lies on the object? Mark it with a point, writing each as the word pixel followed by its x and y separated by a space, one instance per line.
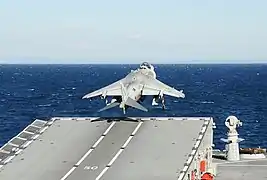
pixel 224 140
pixel 134 104
pixel 109 106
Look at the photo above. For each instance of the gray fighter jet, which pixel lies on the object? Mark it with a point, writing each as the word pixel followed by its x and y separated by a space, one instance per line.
pixel 133 88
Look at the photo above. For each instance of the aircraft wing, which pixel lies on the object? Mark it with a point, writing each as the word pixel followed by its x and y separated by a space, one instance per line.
pixel 155 87
pixel 113 89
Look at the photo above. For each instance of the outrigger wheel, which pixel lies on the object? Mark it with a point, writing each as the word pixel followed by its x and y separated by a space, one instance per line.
pixel 163 103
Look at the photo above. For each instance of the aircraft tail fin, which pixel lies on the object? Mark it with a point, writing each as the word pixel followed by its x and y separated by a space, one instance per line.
pixel 134 104
pixel 111 105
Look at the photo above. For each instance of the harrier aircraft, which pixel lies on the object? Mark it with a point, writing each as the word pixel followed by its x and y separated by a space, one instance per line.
pixel 133 88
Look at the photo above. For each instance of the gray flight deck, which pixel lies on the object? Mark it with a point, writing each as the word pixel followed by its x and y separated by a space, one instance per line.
pixel 241 170
pixel 94 148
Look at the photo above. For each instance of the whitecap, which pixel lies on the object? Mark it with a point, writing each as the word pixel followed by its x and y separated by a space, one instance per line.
pixel 207 102
pixel 44 105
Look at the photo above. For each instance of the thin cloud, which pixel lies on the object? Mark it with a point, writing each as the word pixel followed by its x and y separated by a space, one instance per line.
pixel 135 36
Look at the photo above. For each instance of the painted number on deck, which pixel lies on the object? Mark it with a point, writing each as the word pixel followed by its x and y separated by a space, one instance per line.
pixel 91 167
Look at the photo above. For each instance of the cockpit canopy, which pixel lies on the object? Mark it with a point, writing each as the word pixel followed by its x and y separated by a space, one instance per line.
pixel 145 65
pixel 148 69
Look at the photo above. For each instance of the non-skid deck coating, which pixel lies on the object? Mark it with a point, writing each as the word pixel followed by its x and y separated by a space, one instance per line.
pixel 81 149
pixel 241 170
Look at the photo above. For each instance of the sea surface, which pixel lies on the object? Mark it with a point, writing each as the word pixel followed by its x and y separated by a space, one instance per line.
pixel 42 91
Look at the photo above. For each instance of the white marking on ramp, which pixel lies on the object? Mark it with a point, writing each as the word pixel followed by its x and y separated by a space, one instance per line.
pixel 24 139
pixel 35 136
pixel 197 144
pixel 97 142
pixel 204 129
pixel 181 176
pixel 12 144
pixel 120 151
pixel 9 159
pixel 68 173
pixel 136 129
pixel 112 124
pixel 185 168
pixel 102 173
pixel 28 132
pixel 43 130
pixel 27 143
pixel 84 156
pixel 91 167
pixel 200 137
pixel 88 152
pixel 35 126
pixel 115 157
pixel 127 142
pixel 189 160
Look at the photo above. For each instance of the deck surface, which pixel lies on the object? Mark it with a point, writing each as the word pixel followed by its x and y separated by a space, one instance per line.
pixel 241 170
pixel 71 149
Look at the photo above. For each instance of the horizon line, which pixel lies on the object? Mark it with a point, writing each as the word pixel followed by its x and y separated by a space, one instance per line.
pixel 219 63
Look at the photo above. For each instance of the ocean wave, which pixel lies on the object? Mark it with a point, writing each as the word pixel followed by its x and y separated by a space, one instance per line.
pixel 44 105
pixel 31 89
pixel 207 102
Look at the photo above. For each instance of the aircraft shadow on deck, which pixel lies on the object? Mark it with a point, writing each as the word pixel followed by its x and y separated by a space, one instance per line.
pixel 111 119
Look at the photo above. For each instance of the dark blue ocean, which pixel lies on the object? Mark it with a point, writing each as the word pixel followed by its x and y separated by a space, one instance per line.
pixel 42 91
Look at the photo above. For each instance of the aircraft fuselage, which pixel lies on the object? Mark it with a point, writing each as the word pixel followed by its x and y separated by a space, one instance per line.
pixel 135 84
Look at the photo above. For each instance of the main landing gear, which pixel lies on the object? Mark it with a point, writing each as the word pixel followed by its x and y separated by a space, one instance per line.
pixel 156 98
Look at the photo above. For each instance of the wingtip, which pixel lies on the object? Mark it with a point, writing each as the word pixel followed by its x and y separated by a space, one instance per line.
pixel 86 97
pixel 182 94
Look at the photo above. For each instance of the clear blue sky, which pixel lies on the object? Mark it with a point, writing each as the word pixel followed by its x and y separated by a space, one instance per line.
pixel 84 31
